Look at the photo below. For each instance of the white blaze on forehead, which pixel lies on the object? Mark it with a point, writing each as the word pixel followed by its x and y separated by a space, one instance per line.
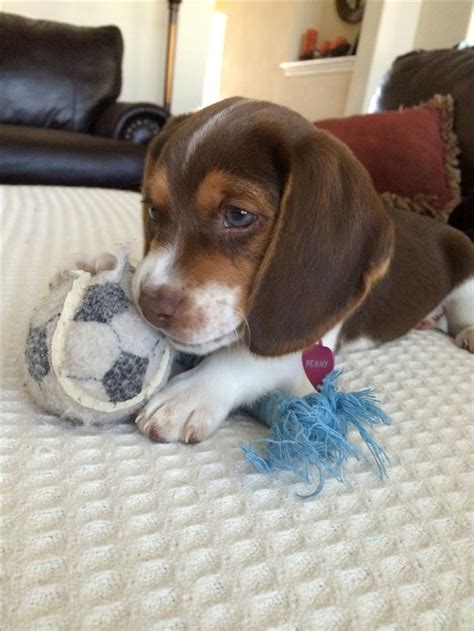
pixel 209 125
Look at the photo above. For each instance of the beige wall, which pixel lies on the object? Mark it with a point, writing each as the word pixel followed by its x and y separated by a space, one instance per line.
pixel 395 27
pixel 194 27
pixel 389 30
pixel 261 35
pixel 144 26
pixel 254 46
pixel 470 29
pixel 443 23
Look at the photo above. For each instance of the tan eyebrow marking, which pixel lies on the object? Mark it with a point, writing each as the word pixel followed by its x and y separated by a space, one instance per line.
pixel 157 190
pixel 219 184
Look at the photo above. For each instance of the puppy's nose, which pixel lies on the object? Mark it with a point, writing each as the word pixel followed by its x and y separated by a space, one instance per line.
pixel 159 304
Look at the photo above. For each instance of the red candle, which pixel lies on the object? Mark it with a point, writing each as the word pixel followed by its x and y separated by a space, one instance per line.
pixel 308 44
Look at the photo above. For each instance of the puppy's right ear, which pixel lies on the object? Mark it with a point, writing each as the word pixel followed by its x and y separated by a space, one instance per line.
pixel 159 141
pixel 153 154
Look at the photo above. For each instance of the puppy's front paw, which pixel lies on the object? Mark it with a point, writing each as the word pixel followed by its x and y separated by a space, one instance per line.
pixel 184 411
pixel 465 339
pixel 94 265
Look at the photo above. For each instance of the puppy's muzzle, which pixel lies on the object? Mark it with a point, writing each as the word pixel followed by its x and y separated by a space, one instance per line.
pixel 160 305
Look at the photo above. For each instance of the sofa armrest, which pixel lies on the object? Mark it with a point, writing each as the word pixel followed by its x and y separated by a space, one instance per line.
pixel 134 122
pixel 58 157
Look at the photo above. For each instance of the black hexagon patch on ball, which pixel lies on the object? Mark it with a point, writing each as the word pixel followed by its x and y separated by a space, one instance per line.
pixel 36 353
pixel 125 379
pixel 101 303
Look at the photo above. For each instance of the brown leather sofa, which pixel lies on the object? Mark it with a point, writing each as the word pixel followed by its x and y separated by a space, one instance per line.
pixel 416 77
pixel 60 121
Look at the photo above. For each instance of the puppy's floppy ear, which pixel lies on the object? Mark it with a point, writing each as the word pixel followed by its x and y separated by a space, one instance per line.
pixel 331 242
pixel 159 141
pixel 153 153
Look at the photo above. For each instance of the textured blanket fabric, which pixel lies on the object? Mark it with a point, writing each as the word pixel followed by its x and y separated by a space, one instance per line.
pixel 105 530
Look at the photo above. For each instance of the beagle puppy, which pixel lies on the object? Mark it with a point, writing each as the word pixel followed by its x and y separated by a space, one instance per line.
pixel 264 235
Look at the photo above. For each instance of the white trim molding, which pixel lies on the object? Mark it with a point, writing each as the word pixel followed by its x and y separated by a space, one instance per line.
pixel 328 65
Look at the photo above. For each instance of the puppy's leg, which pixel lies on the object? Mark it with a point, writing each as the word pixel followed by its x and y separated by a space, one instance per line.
pixel 94 265
pixel 195 403
pixel 459 308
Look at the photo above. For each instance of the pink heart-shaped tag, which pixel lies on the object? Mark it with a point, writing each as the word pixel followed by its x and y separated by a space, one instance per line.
pixel 318 361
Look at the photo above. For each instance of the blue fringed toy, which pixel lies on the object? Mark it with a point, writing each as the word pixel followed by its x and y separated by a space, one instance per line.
pixel 313 430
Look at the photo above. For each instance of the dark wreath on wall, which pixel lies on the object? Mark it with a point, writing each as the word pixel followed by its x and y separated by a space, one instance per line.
pixel 350 10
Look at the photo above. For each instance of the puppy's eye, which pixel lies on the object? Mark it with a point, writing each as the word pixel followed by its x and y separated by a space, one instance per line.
pixel 238 217
pixel 153 213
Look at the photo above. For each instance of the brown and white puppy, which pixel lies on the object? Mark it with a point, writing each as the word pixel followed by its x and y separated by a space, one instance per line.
pixel 264 235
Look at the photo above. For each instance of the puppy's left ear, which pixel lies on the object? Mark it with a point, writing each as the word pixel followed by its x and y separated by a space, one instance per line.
pixel 332 240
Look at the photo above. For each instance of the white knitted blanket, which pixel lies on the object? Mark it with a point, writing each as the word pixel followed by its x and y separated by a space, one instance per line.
pixel 105 530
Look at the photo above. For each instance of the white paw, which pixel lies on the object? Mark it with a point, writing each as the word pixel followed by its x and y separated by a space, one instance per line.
pixel 186 410
pixel 465 339
pixel 94 265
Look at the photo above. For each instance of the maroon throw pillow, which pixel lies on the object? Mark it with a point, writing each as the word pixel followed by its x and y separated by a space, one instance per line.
pixel 411 154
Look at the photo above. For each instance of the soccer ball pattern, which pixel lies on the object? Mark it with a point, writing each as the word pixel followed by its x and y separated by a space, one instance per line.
pixel 108 357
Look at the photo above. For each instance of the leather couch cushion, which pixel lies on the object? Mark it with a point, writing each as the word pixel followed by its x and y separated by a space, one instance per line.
pixel 43 156
pixel 56 75
pixel 419 75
